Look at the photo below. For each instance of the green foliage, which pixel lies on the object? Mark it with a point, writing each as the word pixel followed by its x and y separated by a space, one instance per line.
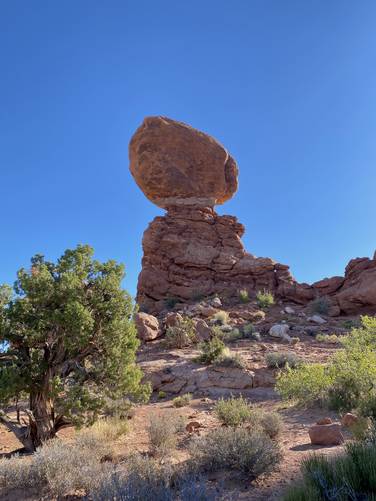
pixel 231 359
pixel 182 334
pixel 320 305
pixel 71 338
pixel 162 394
pixel 280 360
pixel 248 330
pixel 269 421
pixel 265 299
pixel 346 381
pixel 248 451
pixel 211 350
pixel 350 476
pixel 244 296
pixel 182 400
pixel 221 317
pixel 306 384
pixel 328 338
pixel 233 411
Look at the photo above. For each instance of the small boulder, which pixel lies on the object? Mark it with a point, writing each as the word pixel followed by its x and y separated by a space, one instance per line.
pixel 317 319
pixel 325 420
pixel 280 331
pixel 349 419
pixel 326 434
pixel 203 331
pixel 216 302
pixel 192 426
pixel 289 310
pixel 172 319
pixel 147 326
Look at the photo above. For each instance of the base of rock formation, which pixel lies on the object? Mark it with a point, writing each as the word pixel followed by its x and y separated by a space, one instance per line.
pixel 192 252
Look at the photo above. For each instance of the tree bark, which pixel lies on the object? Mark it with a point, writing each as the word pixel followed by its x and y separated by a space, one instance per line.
pixel 41 418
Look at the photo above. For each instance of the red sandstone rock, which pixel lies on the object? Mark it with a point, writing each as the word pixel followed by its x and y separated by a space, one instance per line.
pixel 147 326
pixel 175 164
pixel 349 419
pixel 326 434
pixel 325 420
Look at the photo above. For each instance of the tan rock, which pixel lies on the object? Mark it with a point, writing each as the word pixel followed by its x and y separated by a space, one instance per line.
pixel 325 420
pixel 172 318
pixel 175 164
pixel 147 326
pixel 349 419
pixel 326 434
pixel 193 426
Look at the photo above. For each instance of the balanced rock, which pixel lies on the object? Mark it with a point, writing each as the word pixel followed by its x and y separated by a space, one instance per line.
pixel 175 164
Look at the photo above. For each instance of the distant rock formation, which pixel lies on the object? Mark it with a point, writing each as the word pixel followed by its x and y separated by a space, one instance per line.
pixel 192 251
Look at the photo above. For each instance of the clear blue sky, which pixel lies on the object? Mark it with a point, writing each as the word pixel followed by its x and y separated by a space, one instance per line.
pixel 289 87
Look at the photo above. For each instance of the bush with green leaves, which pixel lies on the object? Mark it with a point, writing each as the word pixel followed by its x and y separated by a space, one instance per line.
pixel 233 411
pixel 231 359
pixel 345 381
pixel 182 334
pixel 71 343
pixel 240 449
pixel 269 421
pixel 211 350
pixel 350 476
pixel 320 305
pixel 182 400
pixel 221 317
pixel 265 299
pixel 244 296
pixel 280 360
pixel 328 338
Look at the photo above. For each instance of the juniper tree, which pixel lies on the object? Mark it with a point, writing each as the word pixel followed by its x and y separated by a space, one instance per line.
pixel 68 343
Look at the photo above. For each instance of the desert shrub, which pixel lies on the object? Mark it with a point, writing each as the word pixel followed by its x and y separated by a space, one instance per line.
pixel 16 472
pixel 367 406
pixel 145 479
pixel 327 338
pixel 59 467
pixel 171 302
pixel 248 451
pixel 320 305
pixel 269 421
pixel 248 330
pixel 232 335
pixel 244 296
pixel 182 334
pixel 221 317
pixel 231 359
pixel 307 384
pixel 121 408
pixel 233 411
pixel 182 400
pixel 162 394
pixel 211 350
pixel 265 299
pixel 350 324
pixel 162 432
pixel 345 381
pixel 280 360
pixel 350 476
pixel 109 430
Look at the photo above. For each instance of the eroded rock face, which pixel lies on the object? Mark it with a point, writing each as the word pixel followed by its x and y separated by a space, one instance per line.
pixel 194 251
pixel 175 164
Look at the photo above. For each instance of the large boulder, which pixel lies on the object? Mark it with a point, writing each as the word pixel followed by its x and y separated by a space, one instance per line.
pixel 175 164
pixel 147 326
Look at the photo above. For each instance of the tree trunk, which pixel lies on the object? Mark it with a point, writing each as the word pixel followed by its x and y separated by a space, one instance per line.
pixel 41 418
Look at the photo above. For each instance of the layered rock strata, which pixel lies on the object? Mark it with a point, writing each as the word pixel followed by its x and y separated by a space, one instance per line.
pixel 192 251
